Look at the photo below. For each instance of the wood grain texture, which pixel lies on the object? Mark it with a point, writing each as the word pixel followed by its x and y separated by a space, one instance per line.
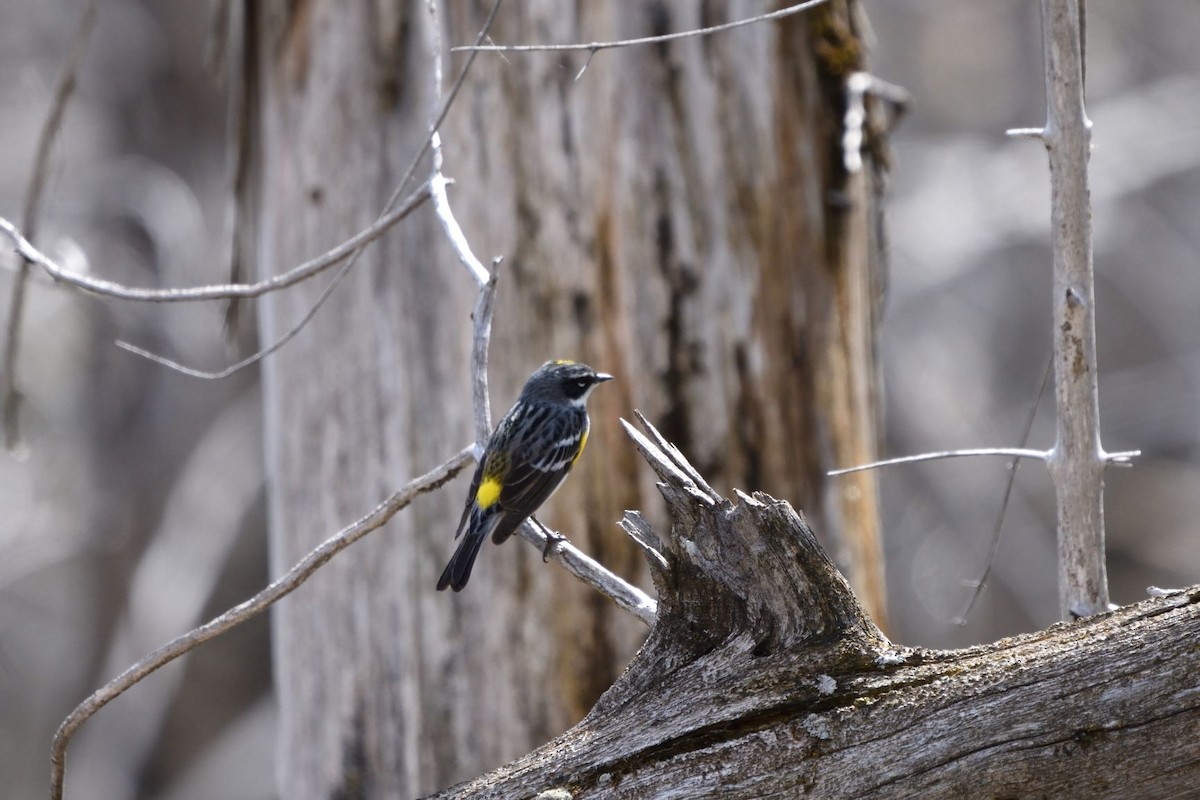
pixel 763 678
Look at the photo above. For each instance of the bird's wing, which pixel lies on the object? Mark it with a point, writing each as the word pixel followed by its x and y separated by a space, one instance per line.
pixel 529 483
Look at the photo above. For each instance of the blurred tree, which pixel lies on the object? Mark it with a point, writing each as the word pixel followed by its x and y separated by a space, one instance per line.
pixel 679 216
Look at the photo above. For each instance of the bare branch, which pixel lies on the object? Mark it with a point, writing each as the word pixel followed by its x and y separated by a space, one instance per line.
pixel 277 590
pixel 596 46
pixel 1078 460
pixel 235 20
pixel 1027 133
pixel 10 396
pixel 353 256
pixel 1011 452
pixel 293 276
pixel 559 550
pixel 485 278
pixel 1013 466
pixel 480 339
pixel 257 356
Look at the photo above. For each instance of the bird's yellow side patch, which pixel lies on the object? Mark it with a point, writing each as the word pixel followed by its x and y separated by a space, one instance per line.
pixel 488 494
pixel 582 444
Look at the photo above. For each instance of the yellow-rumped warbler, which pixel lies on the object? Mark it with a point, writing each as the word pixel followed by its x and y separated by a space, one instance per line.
pixel 530 452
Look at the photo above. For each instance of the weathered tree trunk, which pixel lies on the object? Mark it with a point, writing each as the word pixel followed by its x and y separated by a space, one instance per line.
pixel 764 678
pixel 677 217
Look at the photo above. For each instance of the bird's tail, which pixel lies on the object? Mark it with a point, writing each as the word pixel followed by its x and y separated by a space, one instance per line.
pixel 458 571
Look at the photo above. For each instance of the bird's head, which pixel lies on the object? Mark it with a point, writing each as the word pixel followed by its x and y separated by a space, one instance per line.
pixel 564 382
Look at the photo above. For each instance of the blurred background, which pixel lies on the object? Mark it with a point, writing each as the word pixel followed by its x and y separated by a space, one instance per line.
pixel 112 537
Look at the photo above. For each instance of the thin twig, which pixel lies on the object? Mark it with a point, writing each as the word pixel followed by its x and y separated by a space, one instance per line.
pixel 1027 133
pixel 255 357
pixel 1012 452
pixel 277 590
pixel 590 571
pixel 1008 487
pixel 10 395
pixel 484 277
pixel 482 314
pixel 293 276
pixel 239 21
pixel 596 46
pixel 353 257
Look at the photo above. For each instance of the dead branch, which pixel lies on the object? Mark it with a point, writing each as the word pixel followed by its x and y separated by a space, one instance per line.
pixel 258 355
pixel 273 593
pixel 763 677
pixel 352 258
pixel 10 396
pixel 1077 462
pixel 283 280
pixel 594 47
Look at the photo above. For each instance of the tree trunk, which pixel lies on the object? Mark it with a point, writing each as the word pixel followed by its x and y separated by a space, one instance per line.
pixel 678 216
pixel 763 677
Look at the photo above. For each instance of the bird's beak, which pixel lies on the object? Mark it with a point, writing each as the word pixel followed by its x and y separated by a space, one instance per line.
pixel 601 377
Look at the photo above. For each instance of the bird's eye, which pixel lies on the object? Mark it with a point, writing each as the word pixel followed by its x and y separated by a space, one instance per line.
pixel 582 383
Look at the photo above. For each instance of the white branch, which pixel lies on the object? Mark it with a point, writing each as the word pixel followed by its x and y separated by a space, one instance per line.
pixel 293 276
pixel 559 550
pixel 1010 452
pixel 441 206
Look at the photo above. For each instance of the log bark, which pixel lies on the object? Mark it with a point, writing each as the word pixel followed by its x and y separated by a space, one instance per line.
pixel 676 217
pixel 764 678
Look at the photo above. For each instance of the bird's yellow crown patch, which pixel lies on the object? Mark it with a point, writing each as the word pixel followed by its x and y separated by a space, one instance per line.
pixel 562 362
pixel 488 494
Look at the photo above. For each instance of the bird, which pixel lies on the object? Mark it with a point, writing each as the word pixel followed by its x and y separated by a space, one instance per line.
pixel 527 457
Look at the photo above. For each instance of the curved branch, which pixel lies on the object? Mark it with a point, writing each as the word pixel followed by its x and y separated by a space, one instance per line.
pixel 293 276
pixel 593 47
pixel 253 358
pixel 353 256
pixel 273 593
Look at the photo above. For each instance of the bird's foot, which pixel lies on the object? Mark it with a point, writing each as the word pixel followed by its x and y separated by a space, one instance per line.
pixel 552 540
